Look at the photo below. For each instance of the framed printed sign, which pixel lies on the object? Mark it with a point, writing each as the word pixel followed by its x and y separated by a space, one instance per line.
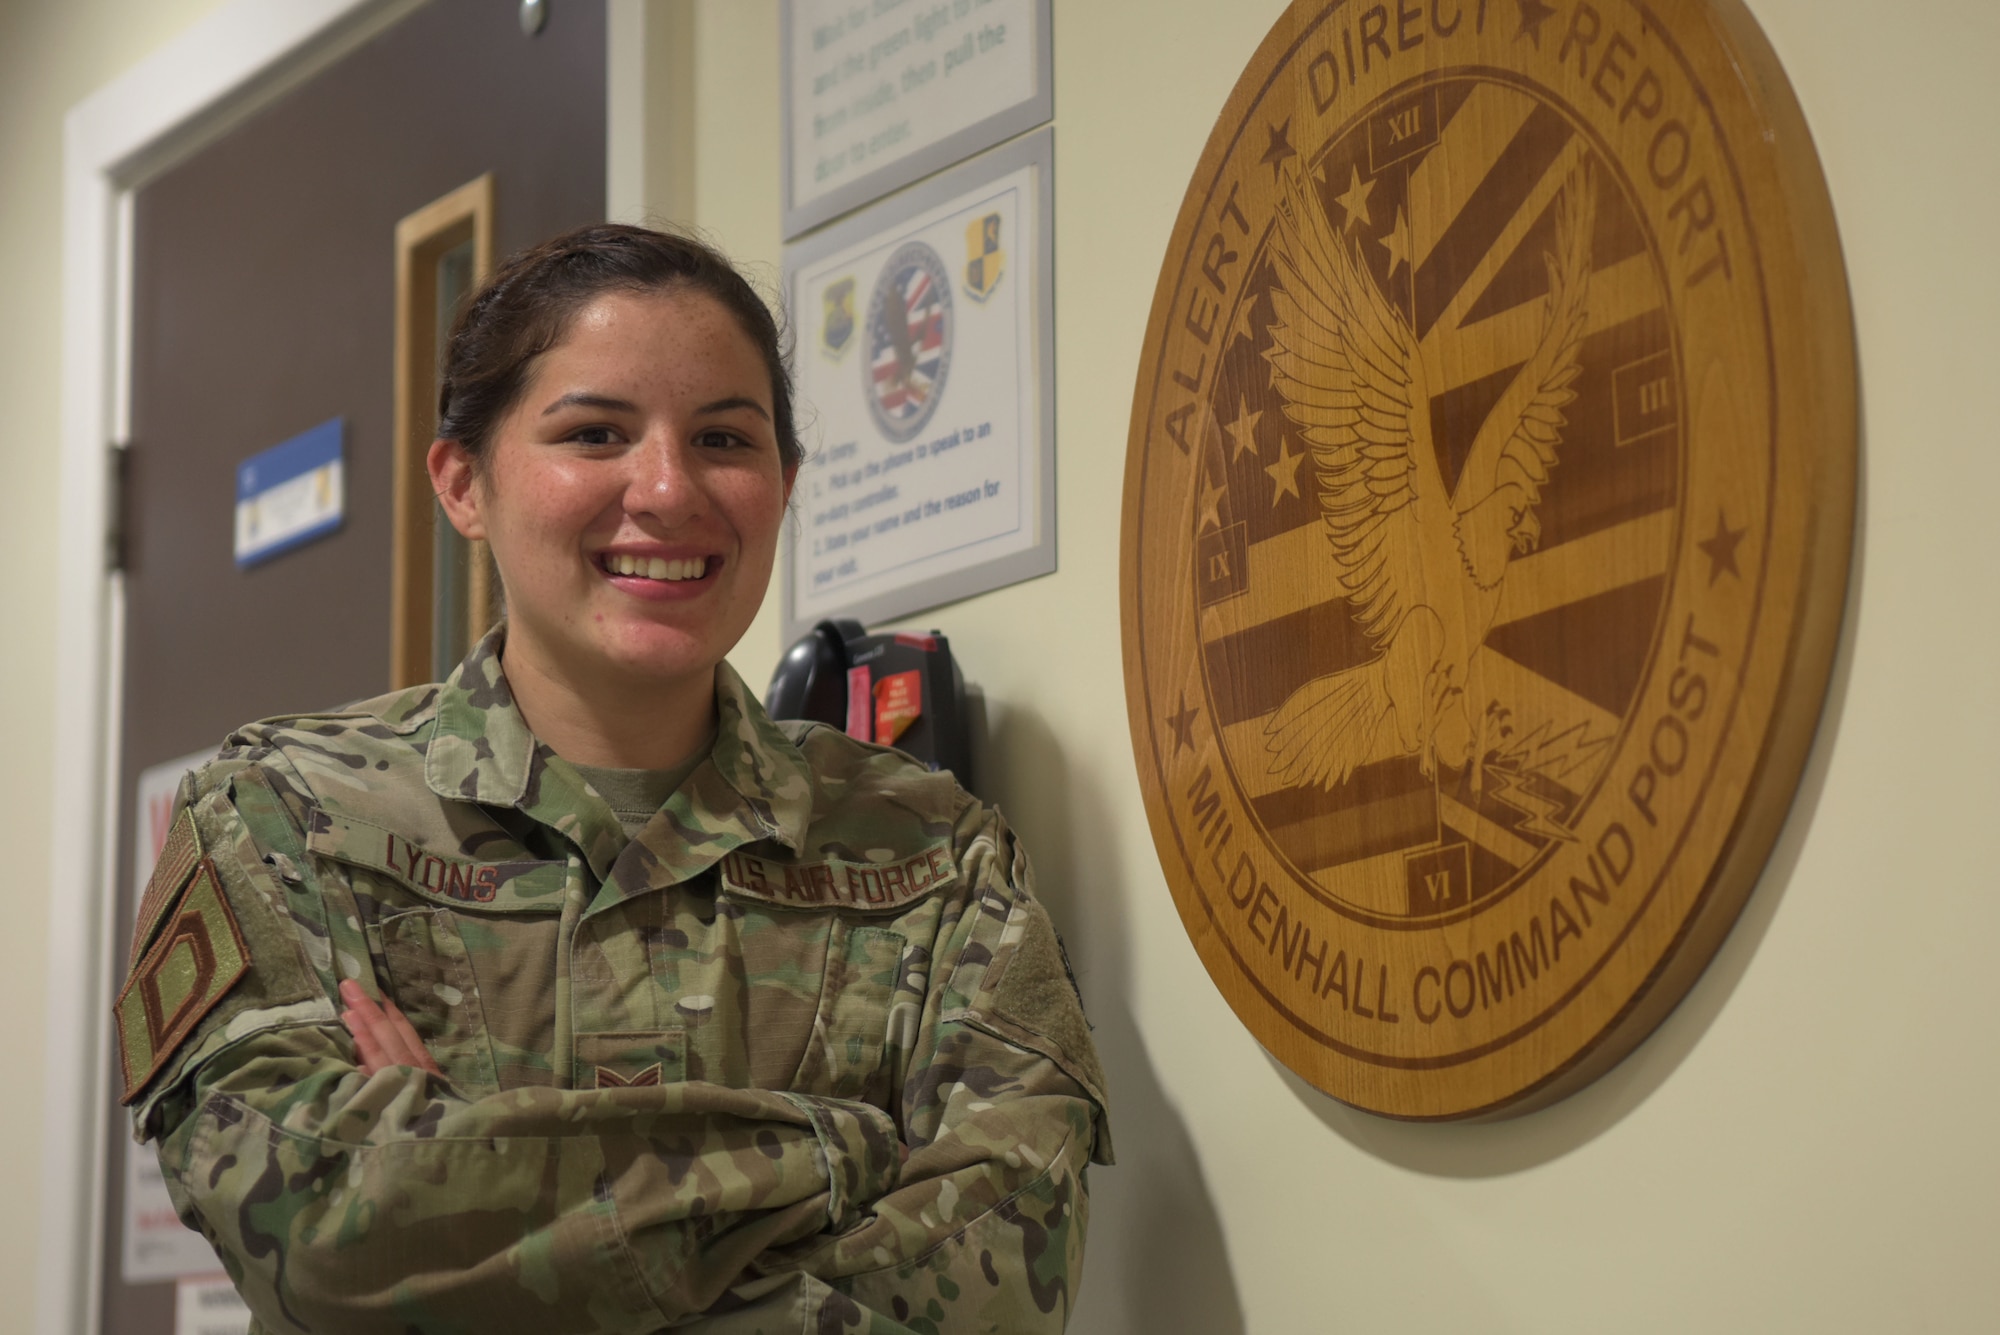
pixel 925 334
pixel 880 93
pixel 1487 515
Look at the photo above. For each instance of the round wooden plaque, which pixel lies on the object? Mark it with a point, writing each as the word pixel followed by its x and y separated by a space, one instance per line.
pixel 1487 513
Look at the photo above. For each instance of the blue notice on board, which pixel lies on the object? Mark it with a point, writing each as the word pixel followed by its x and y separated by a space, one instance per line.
pixel 290 494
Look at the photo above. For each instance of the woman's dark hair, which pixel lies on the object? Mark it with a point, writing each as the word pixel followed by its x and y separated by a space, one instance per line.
pixel 525 308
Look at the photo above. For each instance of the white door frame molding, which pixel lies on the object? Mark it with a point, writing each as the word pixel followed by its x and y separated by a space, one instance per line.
pixel 218 72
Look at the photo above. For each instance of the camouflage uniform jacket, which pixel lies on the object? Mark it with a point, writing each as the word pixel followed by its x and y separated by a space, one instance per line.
pixel 677 1068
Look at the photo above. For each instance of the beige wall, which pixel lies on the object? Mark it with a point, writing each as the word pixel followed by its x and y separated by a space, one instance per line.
pixel 1805 1145
pixel 53 53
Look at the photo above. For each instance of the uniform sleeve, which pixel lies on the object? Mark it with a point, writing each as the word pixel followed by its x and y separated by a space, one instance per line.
pixel 1003 1107
pixel 341 1202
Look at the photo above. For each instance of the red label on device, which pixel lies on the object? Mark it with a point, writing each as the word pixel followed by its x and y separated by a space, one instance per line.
pixel 899 702
pixel 860 702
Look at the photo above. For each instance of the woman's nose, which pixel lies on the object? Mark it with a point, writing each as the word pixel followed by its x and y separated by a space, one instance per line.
pixel 664 482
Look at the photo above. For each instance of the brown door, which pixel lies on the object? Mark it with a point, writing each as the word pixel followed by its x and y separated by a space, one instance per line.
pixel 264 305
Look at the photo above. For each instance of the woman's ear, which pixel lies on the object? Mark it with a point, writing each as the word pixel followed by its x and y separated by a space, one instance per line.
pixel 457 487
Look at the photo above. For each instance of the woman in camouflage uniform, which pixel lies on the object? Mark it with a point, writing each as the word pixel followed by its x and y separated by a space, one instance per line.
pixel 574 993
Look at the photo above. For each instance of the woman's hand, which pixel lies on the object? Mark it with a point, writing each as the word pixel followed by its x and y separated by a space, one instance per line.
pixel 382 1034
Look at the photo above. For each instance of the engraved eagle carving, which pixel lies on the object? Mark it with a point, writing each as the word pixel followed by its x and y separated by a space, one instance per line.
pixel 1422 566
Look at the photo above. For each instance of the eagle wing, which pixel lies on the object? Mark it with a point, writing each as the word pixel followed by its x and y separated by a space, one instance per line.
pixel 1527 422
pixel 1345 363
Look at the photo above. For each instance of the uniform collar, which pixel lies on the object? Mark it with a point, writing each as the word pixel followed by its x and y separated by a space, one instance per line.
pixel 756 784
pixel 481 749
pixel 760 763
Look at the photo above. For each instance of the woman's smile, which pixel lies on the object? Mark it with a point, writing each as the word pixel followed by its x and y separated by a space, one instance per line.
pixel 647 573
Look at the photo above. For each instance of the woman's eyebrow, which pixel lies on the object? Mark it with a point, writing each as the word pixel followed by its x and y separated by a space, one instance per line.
pixel 730 404
pixel 582 399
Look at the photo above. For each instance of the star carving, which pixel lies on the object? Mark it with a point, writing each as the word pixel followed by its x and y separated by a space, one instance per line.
pixel 1279 148
pixel 1534 13
pixel 1239 324
pixel 1721 548
pixel 1355 201
pixel 1211 508
pixel 1397 242
pixel 1285 472
pixel 1183 725
pixel 1242 432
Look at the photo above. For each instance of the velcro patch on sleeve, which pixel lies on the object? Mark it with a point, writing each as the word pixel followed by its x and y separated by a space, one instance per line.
pixel 867 887
pixel 196 957
pixel 172 870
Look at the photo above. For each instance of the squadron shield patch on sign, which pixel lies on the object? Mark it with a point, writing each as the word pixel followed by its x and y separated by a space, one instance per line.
pixel 985 261
pixel 1487 512
pixel 836 329
pixel 196 957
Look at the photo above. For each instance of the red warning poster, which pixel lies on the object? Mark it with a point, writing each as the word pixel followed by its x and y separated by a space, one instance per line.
pixel 898 704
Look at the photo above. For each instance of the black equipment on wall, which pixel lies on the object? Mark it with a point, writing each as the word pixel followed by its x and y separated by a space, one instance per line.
pixel 900 690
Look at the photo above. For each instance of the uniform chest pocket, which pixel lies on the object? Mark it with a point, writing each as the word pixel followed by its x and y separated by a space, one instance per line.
pixel 427 971
pixel 846 1056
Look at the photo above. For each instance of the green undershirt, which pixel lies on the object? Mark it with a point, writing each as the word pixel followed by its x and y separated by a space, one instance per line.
pixel 635 795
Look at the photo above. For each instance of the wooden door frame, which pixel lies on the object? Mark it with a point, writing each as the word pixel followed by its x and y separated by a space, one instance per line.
pixel 222 70
pixel 455 217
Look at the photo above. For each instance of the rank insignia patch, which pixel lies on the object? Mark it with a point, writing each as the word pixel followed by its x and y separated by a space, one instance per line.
pixel 195 958
pixel 610 1079
pixel 984 260
pixel 836 330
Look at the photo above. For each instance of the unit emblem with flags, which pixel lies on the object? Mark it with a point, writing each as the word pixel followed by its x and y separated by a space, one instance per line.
pixel 909 340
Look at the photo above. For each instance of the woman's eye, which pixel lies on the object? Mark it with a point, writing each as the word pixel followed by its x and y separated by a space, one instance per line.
pixel 594 435
pixel 720 440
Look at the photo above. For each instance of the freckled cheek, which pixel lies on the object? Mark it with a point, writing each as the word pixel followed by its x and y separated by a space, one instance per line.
pixel 755 508
pixel 541 549
pixel 566 511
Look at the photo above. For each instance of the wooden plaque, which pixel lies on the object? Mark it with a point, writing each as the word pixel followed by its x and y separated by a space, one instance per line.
pixel 1487 514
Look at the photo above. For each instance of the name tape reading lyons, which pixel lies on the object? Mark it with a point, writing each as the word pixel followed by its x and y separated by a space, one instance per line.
pixel 517 884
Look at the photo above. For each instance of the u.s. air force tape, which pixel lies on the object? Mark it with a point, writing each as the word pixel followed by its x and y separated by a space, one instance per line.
pixel 869 887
